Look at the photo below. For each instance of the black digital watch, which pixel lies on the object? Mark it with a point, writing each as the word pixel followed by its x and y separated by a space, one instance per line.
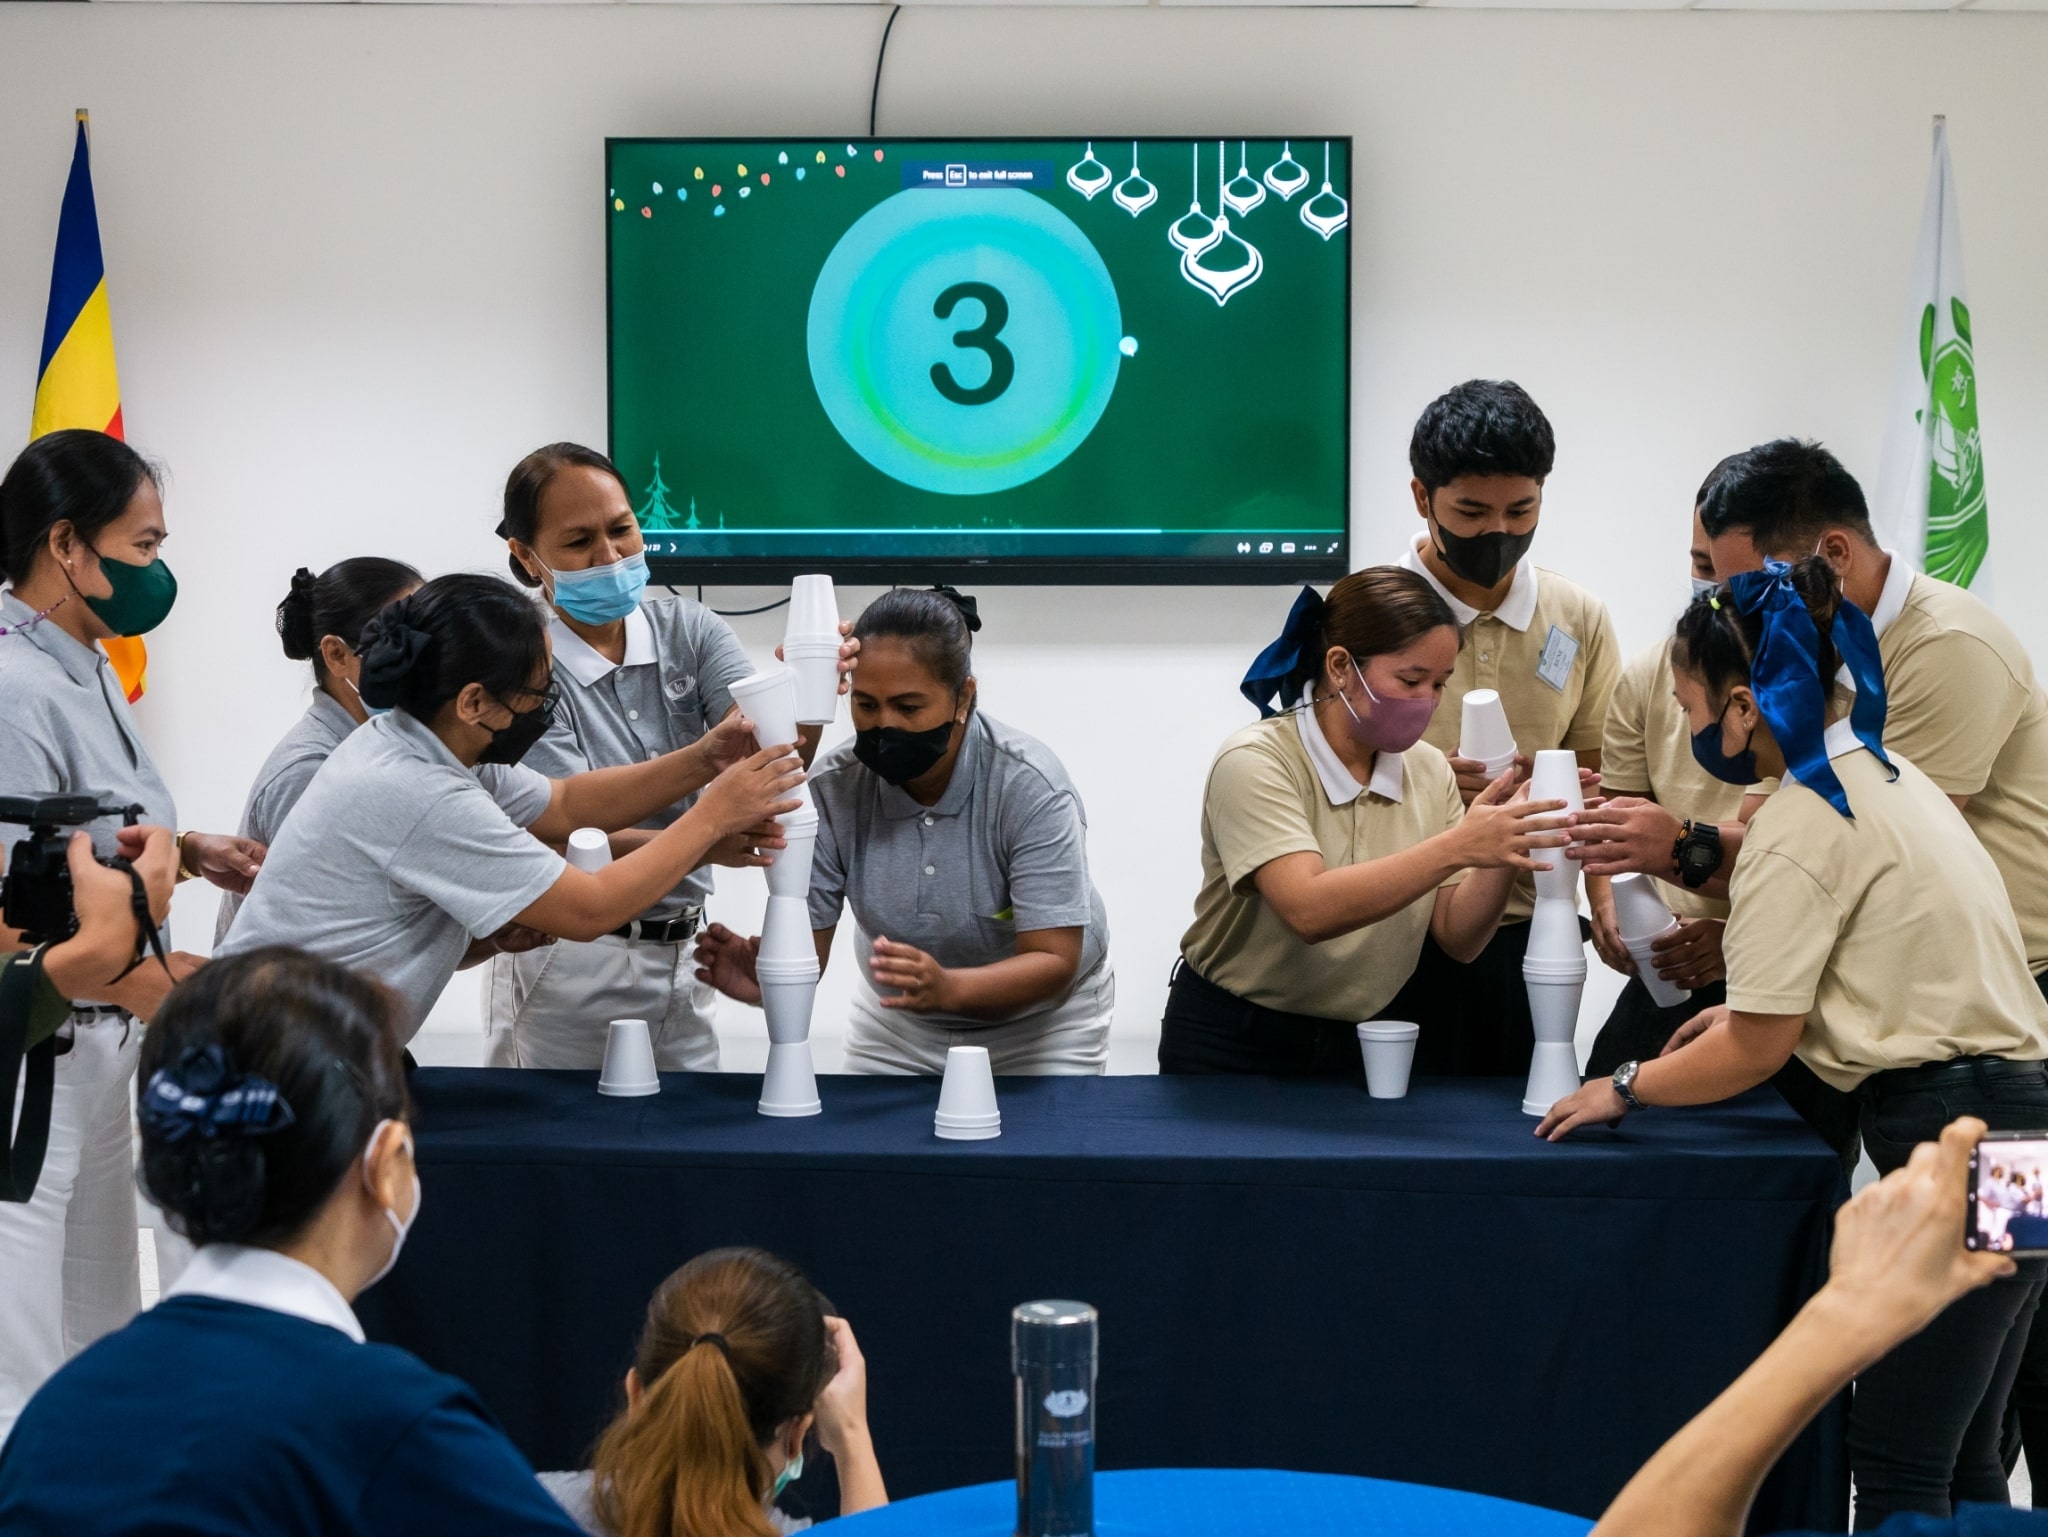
pixel 1697 853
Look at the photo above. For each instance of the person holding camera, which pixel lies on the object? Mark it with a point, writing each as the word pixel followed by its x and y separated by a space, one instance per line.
pixel 81 525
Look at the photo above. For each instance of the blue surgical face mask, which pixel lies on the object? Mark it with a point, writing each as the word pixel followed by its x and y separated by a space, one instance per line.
pixel 1702 585
pixel 791 1472
pixel 1736 769
pixel 601 594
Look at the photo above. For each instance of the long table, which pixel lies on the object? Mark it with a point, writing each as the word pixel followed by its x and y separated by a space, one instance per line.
pixel 1290 1274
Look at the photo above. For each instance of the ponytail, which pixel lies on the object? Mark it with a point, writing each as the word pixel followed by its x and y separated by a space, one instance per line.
pixel 685 1463
pixel 734 1349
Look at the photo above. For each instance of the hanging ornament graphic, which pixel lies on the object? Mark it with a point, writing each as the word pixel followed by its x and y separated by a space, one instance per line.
pixel 1194 230
pixel 1090 176
pixel 1244 192
pixel 1134 194
pixel 1226 264
pixel 1326 213
pixel 1286 175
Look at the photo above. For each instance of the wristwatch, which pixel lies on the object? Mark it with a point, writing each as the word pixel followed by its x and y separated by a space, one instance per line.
pixel 1625 1084
pixel 1697 853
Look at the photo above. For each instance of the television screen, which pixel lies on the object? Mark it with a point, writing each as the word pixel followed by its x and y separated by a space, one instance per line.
pixel 1023 359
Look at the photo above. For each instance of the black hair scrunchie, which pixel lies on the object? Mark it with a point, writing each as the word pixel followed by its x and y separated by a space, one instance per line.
pixel 969 610
pixel 391 650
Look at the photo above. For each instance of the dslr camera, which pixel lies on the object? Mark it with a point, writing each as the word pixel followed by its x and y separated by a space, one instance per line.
pixel 35 895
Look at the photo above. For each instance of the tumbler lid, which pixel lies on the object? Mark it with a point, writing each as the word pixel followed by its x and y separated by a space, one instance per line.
pixel 1052 1333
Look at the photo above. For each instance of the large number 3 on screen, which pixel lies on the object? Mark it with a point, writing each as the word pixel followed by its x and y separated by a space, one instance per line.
pixel 1002 367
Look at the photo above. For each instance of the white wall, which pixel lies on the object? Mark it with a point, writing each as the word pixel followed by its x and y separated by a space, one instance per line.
pixel 355 261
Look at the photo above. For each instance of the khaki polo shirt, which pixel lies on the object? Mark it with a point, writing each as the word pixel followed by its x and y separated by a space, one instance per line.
pixel 1550 653
pixel 1889 932
pixel 1267 798
pixel 1647 750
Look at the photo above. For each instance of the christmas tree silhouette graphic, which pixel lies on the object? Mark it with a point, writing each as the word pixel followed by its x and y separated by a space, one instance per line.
pixel 657 511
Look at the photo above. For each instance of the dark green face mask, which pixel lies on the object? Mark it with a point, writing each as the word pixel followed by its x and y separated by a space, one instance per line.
pixel 142 595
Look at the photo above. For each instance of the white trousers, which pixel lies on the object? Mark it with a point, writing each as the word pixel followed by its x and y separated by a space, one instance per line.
pixel 68 1263
pixel 1070 1038
pixel 550 1007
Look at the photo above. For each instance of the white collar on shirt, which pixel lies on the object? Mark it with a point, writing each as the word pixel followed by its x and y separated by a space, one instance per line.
pixel 1840 739
pixel 1517 610
pixel 263 1278
pixel 1338 781
pixel 586 663
pixel 1892 601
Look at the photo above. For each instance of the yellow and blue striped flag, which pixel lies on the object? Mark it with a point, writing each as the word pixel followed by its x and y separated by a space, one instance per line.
pixel 76 385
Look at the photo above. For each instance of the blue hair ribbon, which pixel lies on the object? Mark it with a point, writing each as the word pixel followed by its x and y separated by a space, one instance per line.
pixel 1785 677
pixel 201 1095
pixel 1284 666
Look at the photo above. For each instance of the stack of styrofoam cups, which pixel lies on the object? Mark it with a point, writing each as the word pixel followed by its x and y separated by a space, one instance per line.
pixel 810 645
pixel 590 850
pixel 1643 919
pixel 1554 967
pixel 967 1097
pixel 787 966
pixel 1389 1049
pixel 628 1061
pixel 1484 735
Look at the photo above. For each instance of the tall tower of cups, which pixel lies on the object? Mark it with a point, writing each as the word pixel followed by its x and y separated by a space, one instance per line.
pixel 1554 968
pixel 788 963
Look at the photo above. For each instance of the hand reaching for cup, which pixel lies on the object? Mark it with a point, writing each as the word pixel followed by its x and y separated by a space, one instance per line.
pixel 752 791
pixel 1504 829
pixel 726 961
pixel 1473 778
pixel 920 982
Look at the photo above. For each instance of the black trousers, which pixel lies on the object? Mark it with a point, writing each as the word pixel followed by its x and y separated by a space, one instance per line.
pixel 1637 1029
pixel 1474 1017
pixel 1924 1423
pixel 1208 1030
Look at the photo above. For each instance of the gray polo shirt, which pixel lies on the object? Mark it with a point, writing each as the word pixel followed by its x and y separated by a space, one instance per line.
pixel 674 685
pixel 1005 850
pixel 397 856
pixel 65 726
pixel 283 779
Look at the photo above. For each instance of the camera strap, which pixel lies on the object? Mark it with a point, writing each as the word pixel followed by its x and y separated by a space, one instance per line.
pixel 31 1012
pixel 148 937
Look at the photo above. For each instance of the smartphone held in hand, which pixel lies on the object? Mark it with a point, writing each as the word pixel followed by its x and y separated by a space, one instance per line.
pixel 2008 1198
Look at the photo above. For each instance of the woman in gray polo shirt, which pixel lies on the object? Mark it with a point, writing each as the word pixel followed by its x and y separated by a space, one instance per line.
pixel 638 677
pixel 81 523
pixel 423 831
pixel 319 621
pixel 961 846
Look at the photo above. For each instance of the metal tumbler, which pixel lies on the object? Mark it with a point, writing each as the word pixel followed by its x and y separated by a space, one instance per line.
pixel 1052 1353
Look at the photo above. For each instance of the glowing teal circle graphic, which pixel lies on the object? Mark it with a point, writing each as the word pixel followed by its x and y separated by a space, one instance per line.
pixel 1012 404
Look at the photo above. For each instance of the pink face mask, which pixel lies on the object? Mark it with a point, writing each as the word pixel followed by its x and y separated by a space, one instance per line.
pixel 1395 725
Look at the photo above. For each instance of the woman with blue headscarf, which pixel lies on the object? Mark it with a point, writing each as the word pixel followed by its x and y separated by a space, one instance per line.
pixel 1334 839
pixel 1870 935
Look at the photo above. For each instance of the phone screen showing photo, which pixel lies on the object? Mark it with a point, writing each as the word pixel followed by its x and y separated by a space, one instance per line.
pixel 2009 1195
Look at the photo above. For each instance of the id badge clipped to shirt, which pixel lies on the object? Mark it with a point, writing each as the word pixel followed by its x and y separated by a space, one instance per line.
pixel 1554 667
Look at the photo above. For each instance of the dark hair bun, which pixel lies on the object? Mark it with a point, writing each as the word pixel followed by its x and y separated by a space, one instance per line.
pixel 390 651
pixel 213 1185
pixel 295 618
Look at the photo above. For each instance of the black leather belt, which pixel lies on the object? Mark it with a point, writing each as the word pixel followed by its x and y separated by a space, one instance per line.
pixel 1962 1072
pixel 668 931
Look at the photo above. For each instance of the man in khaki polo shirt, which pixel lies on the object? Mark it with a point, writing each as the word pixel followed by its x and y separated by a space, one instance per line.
pixel 1480 454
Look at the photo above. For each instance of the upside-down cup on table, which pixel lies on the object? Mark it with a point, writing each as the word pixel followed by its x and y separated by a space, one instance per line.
pixel 1389 1050
pixel 1556 778
pixel 967 1097
pixel 790 1086
pixel 590 849
pixel 628 1061
pixel 1643 919
pixel 1484 734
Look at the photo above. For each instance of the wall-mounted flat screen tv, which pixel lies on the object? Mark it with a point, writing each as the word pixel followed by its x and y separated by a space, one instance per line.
pixel 1006 359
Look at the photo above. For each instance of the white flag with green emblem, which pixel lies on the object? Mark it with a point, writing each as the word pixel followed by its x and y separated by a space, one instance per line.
pixel 1930 488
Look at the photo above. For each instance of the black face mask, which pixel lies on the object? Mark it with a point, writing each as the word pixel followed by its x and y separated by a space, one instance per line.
pixel 900 756
pixel 1482 559
pixel 511 743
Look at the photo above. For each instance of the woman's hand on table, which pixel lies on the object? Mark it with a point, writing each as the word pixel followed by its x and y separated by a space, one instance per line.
pixel 1690 956
pixel 920 982
pixel 1595 1104
pixel 726 961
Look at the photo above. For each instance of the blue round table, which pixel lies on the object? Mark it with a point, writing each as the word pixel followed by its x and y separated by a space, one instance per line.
pixel 1230 1502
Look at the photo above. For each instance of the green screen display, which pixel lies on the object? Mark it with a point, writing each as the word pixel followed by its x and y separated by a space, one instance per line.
pixel 1100 359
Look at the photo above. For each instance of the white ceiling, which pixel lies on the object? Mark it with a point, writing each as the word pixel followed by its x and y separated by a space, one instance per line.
pixel 1478 5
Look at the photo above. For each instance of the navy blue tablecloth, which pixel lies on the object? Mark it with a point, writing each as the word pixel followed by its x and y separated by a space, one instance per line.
pixel 1290 1274
pixel 1215 1502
